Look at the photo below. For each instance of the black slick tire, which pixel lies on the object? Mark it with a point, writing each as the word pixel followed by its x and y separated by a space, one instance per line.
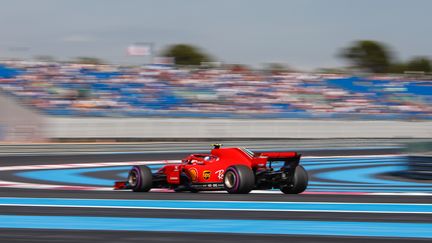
pixel 299 182
pixel 140 178
pixel 239 179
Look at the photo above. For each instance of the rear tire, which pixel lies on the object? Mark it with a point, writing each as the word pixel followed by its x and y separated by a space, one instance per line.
pixel 140 178
pixel 300 182
pixel 239 179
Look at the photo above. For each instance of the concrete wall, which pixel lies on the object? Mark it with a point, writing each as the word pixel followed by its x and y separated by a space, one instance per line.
pixel 61 127
pixel 19 123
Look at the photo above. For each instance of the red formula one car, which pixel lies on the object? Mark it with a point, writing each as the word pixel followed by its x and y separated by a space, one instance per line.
pixel 236 170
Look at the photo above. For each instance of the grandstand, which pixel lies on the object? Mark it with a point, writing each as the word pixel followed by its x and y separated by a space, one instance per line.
pixel 67 89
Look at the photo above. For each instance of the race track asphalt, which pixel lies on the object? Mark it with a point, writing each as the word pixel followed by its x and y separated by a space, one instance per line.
pixel 15 234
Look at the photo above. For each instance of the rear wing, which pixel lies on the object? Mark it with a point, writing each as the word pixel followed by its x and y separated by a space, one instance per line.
pixel 279 155
pixel 290 159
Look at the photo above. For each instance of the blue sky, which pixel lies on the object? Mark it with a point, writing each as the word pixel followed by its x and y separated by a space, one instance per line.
pixel 302 33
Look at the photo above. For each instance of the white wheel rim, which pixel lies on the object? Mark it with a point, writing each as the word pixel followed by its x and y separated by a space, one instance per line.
pixel 132 180
pixel 229 179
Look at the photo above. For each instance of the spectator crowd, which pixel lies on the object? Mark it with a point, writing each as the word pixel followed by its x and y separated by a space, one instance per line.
pixel 70 89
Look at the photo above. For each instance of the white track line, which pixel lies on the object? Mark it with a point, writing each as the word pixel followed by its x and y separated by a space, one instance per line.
pixel 216 209
pixel 107 164
pixel 85 165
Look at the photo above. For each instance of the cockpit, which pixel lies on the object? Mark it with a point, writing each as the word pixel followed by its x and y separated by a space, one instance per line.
pixel 200 159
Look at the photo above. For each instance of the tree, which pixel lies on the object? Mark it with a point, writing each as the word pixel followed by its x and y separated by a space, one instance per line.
pixel 368 55
pixel 421 64
pixel 397 67
pixel 44 58
pixel 184 54
pixel 89 60
pixel 275 67
pixel 330 70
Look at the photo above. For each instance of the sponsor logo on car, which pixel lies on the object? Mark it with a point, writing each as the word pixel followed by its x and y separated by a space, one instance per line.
pixel 220 174
pixel 193 173
pixel 210 185
pixel 206 174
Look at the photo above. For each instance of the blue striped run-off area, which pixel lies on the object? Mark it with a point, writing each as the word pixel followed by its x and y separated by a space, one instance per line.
pixel 284 227
pixel 345 174
pixel 222 205
pixel 336 174
pixel 250 226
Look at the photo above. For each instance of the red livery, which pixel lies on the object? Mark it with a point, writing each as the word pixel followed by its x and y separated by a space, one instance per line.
pixel 236 170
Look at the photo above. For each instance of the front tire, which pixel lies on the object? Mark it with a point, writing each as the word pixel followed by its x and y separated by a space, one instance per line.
pixel 239 179
pixel 299 182
pixel 140 178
